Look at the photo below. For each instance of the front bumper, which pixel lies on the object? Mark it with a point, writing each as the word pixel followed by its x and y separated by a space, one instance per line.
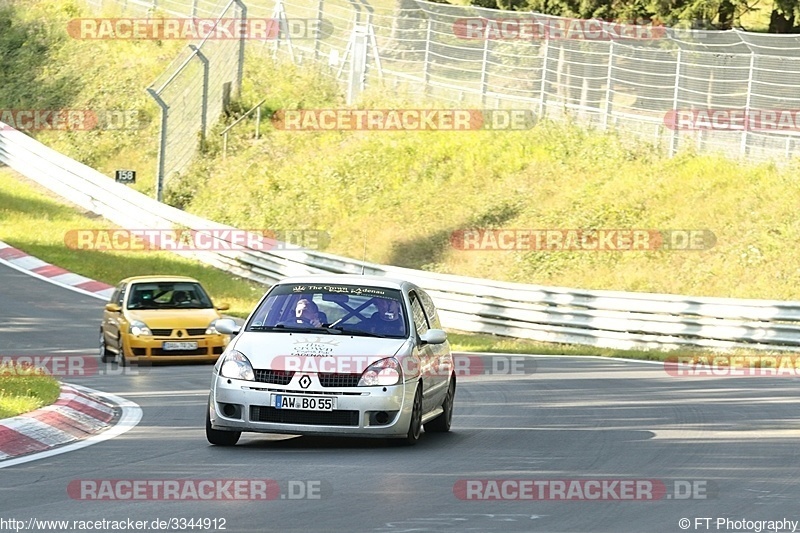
pixel 149 348
pixel 238 405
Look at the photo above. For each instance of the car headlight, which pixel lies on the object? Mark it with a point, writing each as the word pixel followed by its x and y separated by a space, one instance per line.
pixel 381 373
pixel 237 366
pixel 138 327
pixel 212 328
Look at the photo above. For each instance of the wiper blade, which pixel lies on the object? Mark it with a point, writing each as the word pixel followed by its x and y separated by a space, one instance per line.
pixel 299 329
pixel 359 333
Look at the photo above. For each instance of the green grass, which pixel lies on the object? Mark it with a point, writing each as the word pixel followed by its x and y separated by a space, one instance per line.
pixel 44 68
pixel 34 221
pixel 22 390
pixel 404 193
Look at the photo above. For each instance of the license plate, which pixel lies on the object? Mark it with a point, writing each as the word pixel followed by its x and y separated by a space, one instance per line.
pixel 304 403
pixel 179 345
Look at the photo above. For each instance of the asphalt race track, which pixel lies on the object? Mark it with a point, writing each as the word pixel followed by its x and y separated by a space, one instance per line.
pixel 734 440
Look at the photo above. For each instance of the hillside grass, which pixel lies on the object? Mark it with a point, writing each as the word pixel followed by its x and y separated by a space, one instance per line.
pixel 36 221
pixel 404 193
pixel 33 220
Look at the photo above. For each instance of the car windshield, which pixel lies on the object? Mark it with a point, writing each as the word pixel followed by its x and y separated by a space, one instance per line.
pixel 335 309
pixel 168 295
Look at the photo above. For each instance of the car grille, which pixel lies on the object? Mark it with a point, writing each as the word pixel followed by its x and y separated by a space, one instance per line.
pixel 279 377
pixel 259 413
pixel 339 380
pixel 199 351
pixel 216 350
pixel 192 332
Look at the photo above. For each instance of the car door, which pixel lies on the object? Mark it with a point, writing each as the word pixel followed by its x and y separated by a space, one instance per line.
pixel 442 357
pixel 427 357
pixel 112 319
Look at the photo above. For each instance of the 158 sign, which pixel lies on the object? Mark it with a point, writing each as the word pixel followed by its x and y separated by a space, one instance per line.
pixel 126 176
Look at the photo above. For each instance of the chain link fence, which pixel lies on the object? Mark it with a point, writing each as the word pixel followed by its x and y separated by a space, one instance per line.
pixel 193 89
pixel 654 82
pixel 651 82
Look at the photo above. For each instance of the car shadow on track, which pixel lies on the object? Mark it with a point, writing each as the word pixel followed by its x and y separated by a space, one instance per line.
pixel 299 442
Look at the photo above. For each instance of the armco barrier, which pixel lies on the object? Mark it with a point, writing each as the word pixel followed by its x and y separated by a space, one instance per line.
pixel 555 314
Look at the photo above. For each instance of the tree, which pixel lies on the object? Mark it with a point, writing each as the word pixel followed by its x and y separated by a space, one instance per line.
pixel 782 18
pixel 699 14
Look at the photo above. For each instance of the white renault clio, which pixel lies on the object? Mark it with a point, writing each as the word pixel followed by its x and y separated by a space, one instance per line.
pixel 346 355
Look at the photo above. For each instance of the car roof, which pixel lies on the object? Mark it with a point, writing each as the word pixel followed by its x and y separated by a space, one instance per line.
pixel 349 279
pixel 136 279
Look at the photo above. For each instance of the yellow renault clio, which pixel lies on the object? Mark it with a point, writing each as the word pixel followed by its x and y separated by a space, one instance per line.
pixel 161 318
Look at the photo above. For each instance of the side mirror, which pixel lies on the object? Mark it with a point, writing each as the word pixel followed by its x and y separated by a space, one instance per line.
pixel 113 308
pixel 222 307
pixel 433 336
pixel 227 326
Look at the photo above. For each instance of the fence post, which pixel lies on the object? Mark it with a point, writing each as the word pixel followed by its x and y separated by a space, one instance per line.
pixel 317 38
pixel 560 75
pixel 237 90
pixel 543 85
pixel 204 106
pixel 358 62
pixel 743 147
pixel 427 68
pixel 673 141
pixel 484 63
pixel 609 86
pixel 162 144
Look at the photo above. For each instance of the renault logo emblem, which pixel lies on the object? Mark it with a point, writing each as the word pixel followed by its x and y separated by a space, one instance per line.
pixel 305 381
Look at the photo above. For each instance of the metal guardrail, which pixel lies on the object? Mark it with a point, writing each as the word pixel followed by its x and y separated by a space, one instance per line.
pixel 555 314
pixel 257 109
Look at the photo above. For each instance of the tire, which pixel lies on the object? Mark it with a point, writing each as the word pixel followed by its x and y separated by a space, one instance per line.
pixel 120 358
pixel 441 424
pixel 415 424
pixel 218 437
pixel 105 355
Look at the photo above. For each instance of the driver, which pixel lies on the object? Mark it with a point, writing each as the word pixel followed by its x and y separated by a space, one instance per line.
pixel 306 312
pixel 387 320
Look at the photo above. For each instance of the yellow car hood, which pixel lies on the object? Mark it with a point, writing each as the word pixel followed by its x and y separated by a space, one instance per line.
pixel 174 318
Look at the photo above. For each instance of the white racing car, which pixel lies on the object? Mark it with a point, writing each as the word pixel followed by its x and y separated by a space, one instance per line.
pixel 340 355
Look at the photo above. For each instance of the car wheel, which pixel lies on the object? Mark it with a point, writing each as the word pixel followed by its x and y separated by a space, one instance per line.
pixel 120 358
pixel 105 355
pixel 218 437
pixel 415 424
pixel 441 424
